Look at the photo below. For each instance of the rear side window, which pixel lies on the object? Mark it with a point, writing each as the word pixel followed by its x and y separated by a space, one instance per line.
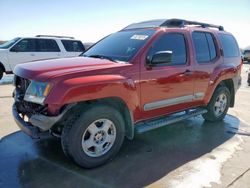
pixel 204 47
pixel 47 45
pixel 73 46
pixel 229 45
pixel 174 42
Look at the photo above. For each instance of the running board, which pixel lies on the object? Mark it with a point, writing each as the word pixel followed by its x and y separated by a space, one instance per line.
pixel 163 121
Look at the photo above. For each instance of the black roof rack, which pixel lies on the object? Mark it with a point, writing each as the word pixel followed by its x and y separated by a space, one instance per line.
pixel 171 23
pixel 54 36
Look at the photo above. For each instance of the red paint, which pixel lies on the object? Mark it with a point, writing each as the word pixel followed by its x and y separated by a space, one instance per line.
pixel 83 79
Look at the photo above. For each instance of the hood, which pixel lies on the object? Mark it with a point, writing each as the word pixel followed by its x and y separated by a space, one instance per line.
pixel 48 69
pixel 3 50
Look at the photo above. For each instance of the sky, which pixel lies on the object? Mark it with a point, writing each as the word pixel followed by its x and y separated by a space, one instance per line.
pixel 92 20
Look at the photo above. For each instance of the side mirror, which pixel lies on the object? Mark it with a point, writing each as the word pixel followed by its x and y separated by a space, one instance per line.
pixel 161 57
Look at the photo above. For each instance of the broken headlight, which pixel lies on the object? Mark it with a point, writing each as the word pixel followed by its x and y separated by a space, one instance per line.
pixel 37 92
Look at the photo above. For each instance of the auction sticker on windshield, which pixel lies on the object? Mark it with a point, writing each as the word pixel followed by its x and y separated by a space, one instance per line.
pixel 139 37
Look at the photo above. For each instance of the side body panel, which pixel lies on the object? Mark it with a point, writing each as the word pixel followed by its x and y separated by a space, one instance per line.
pixel 166 89
pixel 209 75
pixel 119 82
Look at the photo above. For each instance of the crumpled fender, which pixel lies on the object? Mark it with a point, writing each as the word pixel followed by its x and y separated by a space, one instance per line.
pixel 94 87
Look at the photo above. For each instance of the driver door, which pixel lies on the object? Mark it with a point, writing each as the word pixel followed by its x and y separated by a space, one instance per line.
pixel 167 87
pixel 22 52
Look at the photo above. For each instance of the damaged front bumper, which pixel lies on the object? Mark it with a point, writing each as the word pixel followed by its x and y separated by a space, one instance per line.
pixel 37 123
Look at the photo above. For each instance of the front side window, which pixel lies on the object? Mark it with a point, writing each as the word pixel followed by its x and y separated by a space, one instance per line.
pixel 25 45
pixel 174 43
pixel 120 46
pixel 47 45
pixel 73 46
pixel 229 45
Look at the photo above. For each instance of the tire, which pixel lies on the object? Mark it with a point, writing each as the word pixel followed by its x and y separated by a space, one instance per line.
pixel 90 142
pixel 1 73
pixel 218 105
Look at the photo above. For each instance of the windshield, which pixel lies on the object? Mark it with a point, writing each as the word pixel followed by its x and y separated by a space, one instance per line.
pixel 120 46
pixel 9 43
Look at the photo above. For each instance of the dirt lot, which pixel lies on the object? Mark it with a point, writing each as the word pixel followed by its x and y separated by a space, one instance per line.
pixel 191 153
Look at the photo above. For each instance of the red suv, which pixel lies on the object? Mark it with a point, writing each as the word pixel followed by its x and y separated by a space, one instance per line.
pixel 147 75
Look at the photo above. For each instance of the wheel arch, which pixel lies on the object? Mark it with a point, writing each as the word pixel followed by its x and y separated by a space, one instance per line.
pixel 229 83
pixel 114 102
pixel 122 107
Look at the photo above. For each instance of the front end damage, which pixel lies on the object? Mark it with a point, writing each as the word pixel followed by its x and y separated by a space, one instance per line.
pixel 33 119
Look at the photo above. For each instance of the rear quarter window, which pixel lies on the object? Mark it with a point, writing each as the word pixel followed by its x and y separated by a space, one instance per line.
pixel 229 45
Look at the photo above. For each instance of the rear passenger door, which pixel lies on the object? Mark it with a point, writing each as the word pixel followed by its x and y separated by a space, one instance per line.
pixel 73 48
pixel 46 49
pixel 206 60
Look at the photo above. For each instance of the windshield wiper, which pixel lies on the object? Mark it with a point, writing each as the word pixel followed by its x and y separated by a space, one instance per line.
pixel 102 57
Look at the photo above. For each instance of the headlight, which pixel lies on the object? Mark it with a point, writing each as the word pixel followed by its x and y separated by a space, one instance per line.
pixel 37 92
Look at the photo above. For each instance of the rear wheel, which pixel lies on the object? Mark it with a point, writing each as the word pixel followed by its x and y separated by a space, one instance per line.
pixel 94 137
pixel 218 105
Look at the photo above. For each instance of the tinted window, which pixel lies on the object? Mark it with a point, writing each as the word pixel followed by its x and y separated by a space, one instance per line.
pixel 73 46
pixel 173 42
pixel 229 45
pixel 201 47
pixel 47 45
pixel 204 47
pixel 25 45
pixel 9 43
pixel 211 46
pixel 121 46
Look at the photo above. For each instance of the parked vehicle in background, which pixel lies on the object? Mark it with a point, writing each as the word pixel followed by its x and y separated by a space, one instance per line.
pixel 87 45
pixel 143 77
pixel 246 55
pixel 41 47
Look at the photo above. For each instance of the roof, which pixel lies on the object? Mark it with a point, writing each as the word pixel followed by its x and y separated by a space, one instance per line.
pixel 171 23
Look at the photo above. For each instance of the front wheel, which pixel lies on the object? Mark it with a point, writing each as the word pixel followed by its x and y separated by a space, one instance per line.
pixel 218 105
pixel 95 137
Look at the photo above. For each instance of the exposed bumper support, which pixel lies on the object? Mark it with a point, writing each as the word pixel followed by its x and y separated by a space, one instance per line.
pixel 46 122
pixel 37 122
pixel 23 125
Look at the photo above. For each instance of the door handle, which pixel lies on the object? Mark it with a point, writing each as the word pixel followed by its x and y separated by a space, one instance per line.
pixel 32 54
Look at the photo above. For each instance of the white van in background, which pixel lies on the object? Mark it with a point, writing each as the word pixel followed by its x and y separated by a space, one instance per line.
pixel 25 49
